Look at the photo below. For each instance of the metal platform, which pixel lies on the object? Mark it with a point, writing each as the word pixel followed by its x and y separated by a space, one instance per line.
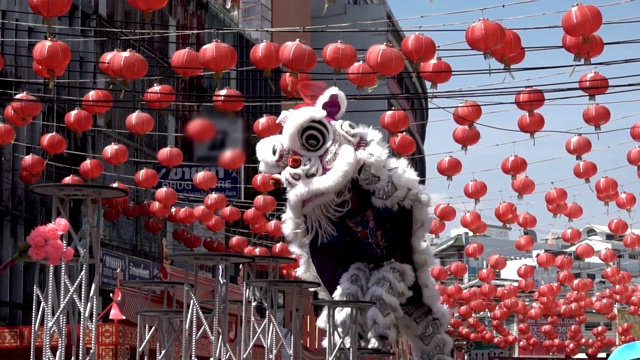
pixel 79 191
pixel 197 258
pixel 152 285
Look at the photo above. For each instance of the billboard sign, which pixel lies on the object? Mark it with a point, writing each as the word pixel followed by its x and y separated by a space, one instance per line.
pixel 111 263
pixel 138 269
pixel 180 178
pixel 563 327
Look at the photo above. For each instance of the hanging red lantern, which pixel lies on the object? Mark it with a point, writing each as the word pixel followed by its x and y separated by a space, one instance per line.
pixel 215 201
pixel 265 56
pixel 523 186
pixel 253 216
pixel 186 216
pixel 186 63
pixel 91 168
pixel 526 220
pixel 633 157
pixel 191 241
pixel 506 212
pixel 578 146
pixel 545 260
pixel 631 241
pixel 467 113
pixel 403 144
pixel 361 75
pixel 159 210
pixel 606 185
pixel 200 129
pixel 458 269
pixel 485 35
pixel 436 71
pixel 33 164
pixel 571 235
pixel 513 59
pixel 50 9
pixel 511 44
pixel 607 198
pixel 228 100
pixel 232 159
pixel 608 256
pixel 25 106
pixel 214 245
pixel 634 131
pixel 626 201
pixel 466 136
pixel 53 143
pixel 439 273
pixel 274 228
pixel 524 243
pixel 449 166
pixel 12 118
pixel 72 179
pixel 596 115
pixel 46 73
pixel 264 203
pixel 148 7
pixel 230 214
pixel 170 156
pixel 583 47
pixel 444 212
pixel 143 208
pixel 487 276
pixel 593 84
pixel 475 189
pixel 139 123
pixel 585 170
pixel 339 56
pixel 618 226
pixel 497 262
pixel 115 154
pixel 166 196
pixel 525 272
pixel 7 134
pixel 437 227
pixel 585 251
pixel 470 220
pixel 146 178
pixel 159 96
pixel 129 65
pixel 52 54
pixel 563 263
pixel 97 102
pixel 514 165
pixel 297 56
pixel 474 250
pixel 130 210
pixel 238 243
pixel 266 126
pixel 581 20
pixel 418 48
pixel 218 57
pixel 529 99
pixel 531 123
pixel 78 121
pixel 573 211
pixel 215 224
pixel 28 177
pixel 395 121
pixel 111 215
pixel 104 63
pixel 262 183
pixel 384 59
pixel 205 180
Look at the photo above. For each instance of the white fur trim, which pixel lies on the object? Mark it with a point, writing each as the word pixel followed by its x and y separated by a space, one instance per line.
pixel 342 99
pixel 296 120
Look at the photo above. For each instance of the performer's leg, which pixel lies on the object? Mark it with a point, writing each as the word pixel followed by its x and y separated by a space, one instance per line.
pixel 388 288
pixel 426 333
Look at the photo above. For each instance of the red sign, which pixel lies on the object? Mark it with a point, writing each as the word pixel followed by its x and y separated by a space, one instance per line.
pixel 564 324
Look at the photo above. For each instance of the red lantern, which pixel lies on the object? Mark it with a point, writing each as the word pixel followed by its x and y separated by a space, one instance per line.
pixel 130 210
pixel 262 183
pixel 585 251
pixel 228 100
pixel 53 143
pixel 28 177
pixel 215 201
pixel 395 121
pixel 297 56
pixel 253 216
pixel 583 47
pixel 170 156
pixel 530 99
pixel 593 84
pixel 474 250
pixel 466 136
pixel 475 189
pixel 403 144
pixel 531 123
pixel 215 224
pixel 361 75
pixel 574 211
pixel 218 57
pixel 289 84
pixel 524 243
pixel 497 262
pixel 545 260
pixel 581 20
pixel 186 216
pixel 525 272
pixel 205 180
pixel 111 215
pixel 238 243
pixel 12 118
pixel 264 203
pixel 166 196
pixel 571 235
pixel 436 71
pixel 25 106
pixel 265 56
pixel 115 154
pixel 384 59
pixel 230 214
pixel 514 165
pixel 159 96
pixel 78 121
pixel 104 63
pixel 91 168
pixel 186 63
pixel 146 178
pixel 129 65
pixel 511 45
pixel 214 245
pixel 449 166
pixel 148 6
pixel 618 226
pixel 192 241
pixel 139 123
pixel 158 209
pixel 626 201
pixel 458 269
pixel 467 113
pixel 418 48
pixel 484 36
pixel 200 129
pixel 585 170
pixel 52 54
pixel 526 220
pixel 50 9
pixel 606 186
pixel 50 74
pixel 523 186
pixel 506 212
pixel 634 131
pixel 513 59
pixel 470 220
pixel 596 115
pixel 437 227
pixel 97 102
pixel 631 241
pixel 266 126
pixel 339 56
pixel 7 134
pixel 608 256
pixel 439 273
pixel 578 146
pixel 232 159
pixel 607 198
pixel 33 164
pixel 444 212
pixel 633 157
pixel 72 179
pixel 487 276
pixel 274 228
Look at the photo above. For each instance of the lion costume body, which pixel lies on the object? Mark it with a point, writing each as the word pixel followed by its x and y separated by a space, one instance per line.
pixel 358 220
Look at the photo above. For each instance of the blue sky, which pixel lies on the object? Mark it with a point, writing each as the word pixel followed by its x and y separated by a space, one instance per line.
pixel 549 163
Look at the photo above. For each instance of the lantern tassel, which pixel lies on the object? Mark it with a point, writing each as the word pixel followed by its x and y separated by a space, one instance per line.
pixel 52 82
pixel 464 148
pixel 371 88
pixel 520 197
pixel 573 69
pixel 587 181
pixel 477 201
pixel 513 177
pixel 449 178
pixel 532 136
pixel 578 157
pixel 592 98
pixel 434 86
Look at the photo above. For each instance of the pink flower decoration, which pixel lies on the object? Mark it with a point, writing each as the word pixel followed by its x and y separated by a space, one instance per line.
pixel 37 253
pixel 68 254
pixel 36 240
pixel 54 250
pixel 62 225
pixel 52 234
pixel 54 261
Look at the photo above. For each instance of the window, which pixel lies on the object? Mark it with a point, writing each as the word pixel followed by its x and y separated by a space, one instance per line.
pixel 590 326
pixel 592 232
pixel 591 276
pixel 633 256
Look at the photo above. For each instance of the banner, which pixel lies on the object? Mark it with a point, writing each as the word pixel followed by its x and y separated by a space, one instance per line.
pixel 138 269
pixel 111 263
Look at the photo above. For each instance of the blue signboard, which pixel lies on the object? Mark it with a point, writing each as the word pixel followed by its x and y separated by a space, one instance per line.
pixel 155 272
pixel 138 269
pixel 180 178
pixel 111 263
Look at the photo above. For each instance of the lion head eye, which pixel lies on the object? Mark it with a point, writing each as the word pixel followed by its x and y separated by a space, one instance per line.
pixel 314 135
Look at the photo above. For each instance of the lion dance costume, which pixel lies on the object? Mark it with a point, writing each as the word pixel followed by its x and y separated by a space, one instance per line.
pixel 357 218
